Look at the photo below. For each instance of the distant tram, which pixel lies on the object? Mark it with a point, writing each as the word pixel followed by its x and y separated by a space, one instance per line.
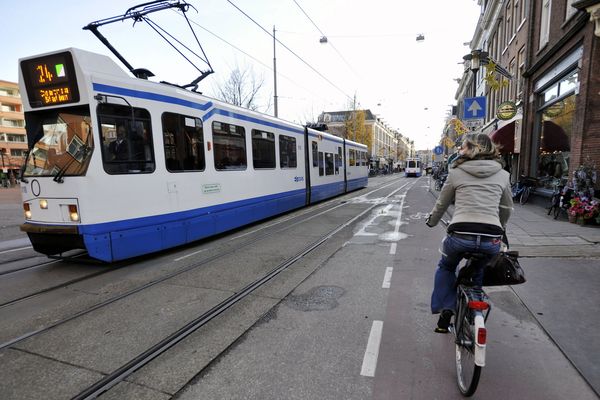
pixel 413 167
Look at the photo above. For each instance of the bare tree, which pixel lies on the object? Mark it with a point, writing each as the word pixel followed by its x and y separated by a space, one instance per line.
pixel 243 89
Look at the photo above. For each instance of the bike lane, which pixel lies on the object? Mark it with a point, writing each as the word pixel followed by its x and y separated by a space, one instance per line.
pixel 522 361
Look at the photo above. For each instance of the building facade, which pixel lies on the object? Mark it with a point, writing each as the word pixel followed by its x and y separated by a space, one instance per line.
pixel 387 147
pixel 13 140
pixel 551 51
pixel 562 114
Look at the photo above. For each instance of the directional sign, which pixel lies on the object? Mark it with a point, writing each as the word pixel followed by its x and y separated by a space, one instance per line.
pixel 474 108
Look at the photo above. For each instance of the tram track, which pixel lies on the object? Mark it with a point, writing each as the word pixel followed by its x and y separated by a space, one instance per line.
pixel 167 343
pixel 226 251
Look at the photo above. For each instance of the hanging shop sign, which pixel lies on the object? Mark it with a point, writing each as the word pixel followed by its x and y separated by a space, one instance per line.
pixel 506 110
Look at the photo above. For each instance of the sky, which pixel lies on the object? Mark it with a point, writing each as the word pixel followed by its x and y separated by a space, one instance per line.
pixel 371 55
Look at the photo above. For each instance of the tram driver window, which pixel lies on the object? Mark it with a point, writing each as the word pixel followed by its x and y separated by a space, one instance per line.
pixel 184 143
pixel 126 141
pixel 230 146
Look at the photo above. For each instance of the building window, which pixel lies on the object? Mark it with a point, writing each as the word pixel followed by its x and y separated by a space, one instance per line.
pixel 545 23
pixel 555 116
pixel 520 70
pixel 509 22
pixel 570 9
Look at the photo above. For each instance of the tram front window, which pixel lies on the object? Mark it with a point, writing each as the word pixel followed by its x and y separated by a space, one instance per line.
pixel 62 145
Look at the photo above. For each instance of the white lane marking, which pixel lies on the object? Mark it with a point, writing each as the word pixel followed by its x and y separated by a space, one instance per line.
pixel 393 249
pixel 387 278
pixel 189 255
pixel 372 351
pixel 20 248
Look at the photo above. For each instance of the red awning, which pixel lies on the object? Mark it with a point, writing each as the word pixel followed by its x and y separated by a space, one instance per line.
pixel 505 138
pixel 554 138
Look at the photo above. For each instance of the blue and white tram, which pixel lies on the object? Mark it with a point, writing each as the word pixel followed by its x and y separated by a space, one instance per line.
pixel 413 167
pixel 122 167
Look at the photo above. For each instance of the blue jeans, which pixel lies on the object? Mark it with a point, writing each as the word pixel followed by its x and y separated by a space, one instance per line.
pixel 453 249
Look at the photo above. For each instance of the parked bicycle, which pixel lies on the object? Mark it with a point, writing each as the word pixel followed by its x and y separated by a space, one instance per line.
pixel 561 200
pixel 440 180
pixel 523 189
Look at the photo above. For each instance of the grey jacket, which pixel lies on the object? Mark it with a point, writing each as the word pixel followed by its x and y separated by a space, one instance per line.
pixel 481 192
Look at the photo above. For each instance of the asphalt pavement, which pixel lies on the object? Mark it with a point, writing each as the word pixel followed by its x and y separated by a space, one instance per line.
pixel 561 261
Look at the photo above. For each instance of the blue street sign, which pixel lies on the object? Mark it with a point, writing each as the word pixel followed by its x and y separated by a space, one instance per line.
pixel 474 108
pixel 438 150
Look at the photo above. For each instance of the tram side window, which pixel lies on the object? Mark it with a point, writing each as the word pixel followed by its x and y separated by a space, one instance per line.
pixel 263 149
pixel 337 164
pixel 321 164
pixel 315 154
pixel 352 157
pixel 126 142
pixel 184 143
pixel 230 146
pixel 287 152
pixel 341 160
pixel 328 163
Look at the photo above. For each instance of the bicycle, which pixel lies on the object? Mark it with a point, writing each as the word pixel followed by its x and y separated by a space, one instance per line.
pixel 560 201
pixel 524 188
pixel 440 180
pixel 472 311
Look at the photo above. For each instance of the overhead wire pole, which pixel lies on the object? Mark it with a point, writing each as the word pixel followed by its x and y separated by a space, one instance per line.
pixel 274 76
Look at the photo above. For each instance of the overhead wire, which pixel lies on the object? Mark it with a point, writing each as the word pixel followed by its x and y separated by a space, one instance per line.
pixel 328 41
pixel 252 57
pixel 291 51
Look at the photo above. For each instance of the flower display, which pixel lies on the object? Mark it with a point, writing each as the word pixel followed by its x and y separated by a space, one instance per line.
pixel 584 207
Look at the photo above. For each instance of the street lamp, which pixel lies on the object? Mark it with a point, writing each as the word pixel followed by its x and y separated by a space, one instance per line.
pixel 476 57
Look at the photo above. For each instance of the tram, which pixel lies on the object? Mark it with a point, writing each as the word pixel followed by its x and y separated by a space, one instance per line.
pixel 121 166
pixel 413 167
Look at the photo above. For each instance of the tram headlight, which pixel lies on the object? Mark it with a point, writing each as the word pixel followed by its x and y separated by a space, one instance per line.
pixel 73 213
pixel 44 204
pixel 27 210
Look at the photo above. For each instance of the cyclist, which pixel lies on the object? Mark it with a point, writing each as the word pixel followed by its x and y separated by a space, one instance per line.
pixel 480 189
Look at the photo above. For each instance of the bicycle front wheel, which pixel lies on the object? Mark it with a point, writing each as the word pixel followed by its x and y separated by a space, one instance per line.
pixel 525 195
pixel 467 373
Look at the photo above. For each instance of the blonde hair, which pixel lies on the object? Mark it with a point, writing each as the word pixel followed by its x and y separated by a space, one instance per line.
pixel 478 146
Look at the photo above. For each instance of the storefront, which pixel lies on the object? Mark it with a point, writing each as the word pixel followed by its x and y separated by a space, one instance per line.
pixel 555 99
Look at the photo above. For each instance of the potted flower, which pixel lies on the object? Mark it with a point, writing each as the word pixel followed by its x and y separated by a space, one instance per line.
pixel 577 209
pixel 582 209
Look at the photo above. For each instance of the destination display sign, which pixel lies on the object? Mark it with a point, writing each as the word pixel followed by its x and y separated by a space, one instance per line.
pixel 50 80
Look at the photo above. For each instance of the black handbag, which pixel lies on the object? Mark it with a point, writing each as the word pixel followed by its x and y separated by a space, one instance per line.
pixel 503 269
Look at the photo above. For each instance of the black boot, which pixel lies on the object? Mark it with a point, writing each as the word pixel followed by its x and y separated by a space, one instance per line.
pixel 444 321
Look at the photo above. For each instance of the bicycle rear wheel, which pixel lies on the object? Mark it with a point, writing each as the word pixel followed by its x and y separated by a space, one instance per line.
pixel 467 373
pixel 525 195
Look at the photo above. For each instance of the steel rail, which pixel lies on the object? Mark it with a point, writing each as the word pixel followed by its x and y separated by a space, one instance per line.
pixel 161 347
